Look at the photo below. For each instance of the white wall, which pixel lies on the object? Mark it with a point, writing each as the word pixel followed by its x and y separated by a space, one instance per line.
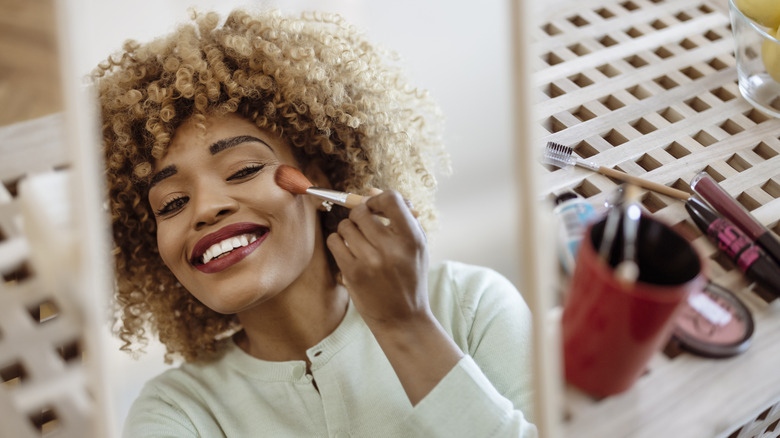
pixel 457 49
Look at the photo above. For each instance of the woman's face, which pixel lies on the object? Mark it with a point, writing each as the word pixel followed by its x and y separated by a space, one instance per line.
pixel 228 233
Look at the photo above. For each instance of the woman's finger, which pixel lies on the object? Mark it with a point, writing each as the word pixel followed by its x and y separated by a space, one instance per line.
pixel 373 228
pixel 338 247
pixel 356 239
pixel 393 206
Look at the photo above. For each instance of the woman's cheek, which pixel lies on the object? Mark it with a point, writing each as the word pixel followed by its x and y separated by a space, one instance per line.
pixel 164 244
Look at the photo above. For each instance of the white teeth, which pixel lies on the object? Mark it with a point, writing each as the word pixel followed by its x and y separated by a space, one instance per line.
pixel 220 248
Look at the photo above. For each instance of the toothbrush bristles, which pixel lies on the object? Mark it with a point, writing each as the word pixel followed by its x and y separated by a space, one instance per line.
pixel 556 154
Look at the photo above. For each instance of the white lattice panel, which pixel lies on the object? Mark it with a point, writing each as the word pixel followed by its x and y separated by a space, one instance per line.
pixel 54 264
pixel 43 387
pixel 764 425
pixel 649 87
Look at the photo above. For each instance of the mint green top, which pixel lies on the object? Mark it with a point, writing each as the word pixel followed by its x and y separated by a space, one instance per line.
pixel 357 394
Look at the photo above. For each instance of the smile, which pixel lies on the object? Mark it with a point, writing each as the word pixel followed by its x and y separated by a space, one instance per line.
pixel 218 250
pixel 227 246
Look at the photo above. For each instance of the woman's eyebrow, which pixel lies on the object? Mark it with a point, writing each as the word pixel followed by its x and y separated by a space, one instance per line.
pixel 226 143
pixel 214 149
pixel 162 174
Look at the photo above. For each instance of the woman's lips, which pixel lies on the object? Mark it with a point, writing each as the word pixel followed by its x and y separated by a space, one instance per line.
pixel 235 255
pixel 231 258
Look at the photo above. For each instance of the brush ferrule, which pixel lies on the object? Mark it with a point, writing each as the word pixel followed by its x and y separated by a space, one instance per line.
pixel 587 164
pixel 335 196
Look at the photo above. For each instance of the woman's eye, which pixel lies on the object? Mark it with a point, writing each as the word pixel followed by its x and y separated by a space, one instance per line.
pixel 172 206
pixel 246 172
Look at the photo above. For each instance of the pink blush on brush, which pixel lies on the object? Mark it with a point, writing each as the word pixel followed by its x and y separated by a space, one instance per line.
pixel 714 323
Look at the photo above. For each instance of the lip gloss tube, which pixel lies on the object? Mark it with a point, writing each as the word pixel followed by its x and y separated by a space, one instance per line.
pixel 749 258
pixel 720 200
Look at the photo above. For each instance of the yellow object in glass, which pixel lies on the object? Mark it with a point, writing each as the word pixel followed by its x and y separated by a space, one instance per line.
pixel 763 12
pixel 770 54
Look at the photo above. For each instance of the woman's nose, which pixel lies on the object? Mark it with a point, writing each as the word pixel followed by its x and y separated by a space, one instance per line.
pixel 211 206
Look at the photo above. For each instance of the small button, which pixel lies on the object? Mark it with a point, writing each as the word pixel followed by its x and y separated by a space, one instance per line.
pixel 317 353
pixel 298 371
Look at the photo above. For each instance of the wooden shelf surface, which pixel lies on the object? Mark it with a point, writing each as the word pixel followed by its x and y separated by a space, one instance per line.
pixel 650 87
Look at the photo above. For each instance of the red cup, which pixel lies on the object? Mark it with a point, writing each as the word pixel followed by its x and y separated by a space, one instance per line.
pixel 610 328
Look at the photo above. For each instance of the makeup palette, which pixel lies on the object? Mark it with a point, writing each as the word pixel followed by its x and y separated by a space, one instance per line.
pixel 714 323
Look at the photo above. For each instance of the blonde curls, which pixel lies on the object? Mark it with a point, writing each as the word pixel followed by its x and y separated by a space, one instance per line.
pixel 314 80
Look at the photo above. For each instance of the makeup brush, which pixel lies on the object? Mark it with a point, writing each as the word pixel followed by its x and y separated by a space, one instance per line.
pixel 627 271
pixel 611 225
pixel 625 211
pixel 292 180
pixel 558 155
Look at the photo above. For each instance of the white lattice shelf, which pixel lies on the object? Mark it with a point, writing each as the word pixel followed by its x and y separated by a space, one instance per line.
pixel 43 386
pixel 649 87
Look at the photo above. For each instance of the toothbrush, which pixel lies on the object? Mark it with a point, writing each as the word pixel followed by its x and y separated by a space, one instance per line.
pixel 561 156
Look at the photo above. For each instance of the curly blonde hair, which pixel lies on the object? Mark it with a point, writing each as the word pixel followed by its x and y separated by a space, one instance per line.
pixel 313 80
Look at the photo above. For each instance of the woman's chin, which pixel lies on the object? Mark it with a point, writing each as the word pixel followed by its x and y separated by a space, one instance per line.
pixel 232 303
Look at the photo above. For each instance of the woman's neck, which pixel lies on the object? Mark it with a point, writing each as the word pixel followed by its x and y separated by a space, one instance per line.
pixel 283 328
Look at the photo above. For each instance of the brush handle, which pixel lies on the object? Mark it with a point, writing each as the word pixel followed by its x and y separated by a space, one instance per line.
pixel 345 199
pixel 349 200
pixel 641 182
pixel 352 200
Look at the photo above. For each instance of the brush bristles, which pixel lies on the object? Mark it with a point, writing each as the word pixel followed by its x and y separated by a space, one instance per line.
pixel 291 179
pixel 556 154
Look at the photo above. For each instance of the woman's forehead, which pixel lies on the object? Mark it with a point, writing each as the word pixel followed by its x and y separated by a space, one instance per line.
pixel 214 134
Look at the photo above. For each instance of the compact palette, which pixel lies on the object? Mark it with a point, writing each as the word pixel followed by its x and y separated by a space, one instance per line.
pixel 714 323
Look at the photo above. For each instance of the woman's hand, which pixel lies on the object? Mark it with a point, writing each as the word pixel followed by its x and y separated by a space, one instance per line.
pixel 382 253
pixel 383 265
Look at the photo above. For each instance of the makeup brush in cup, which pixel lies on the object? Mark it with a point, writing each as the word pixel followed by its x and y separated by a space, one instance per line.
pixel 292 180
pixel 624 213
pixel 627 270
pixel 558 155
pixel 611 225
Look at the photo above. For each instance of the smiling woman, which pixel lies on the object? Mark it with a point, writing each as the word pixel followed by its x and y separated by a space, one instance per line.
pixel 294 320
pixel 218 188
